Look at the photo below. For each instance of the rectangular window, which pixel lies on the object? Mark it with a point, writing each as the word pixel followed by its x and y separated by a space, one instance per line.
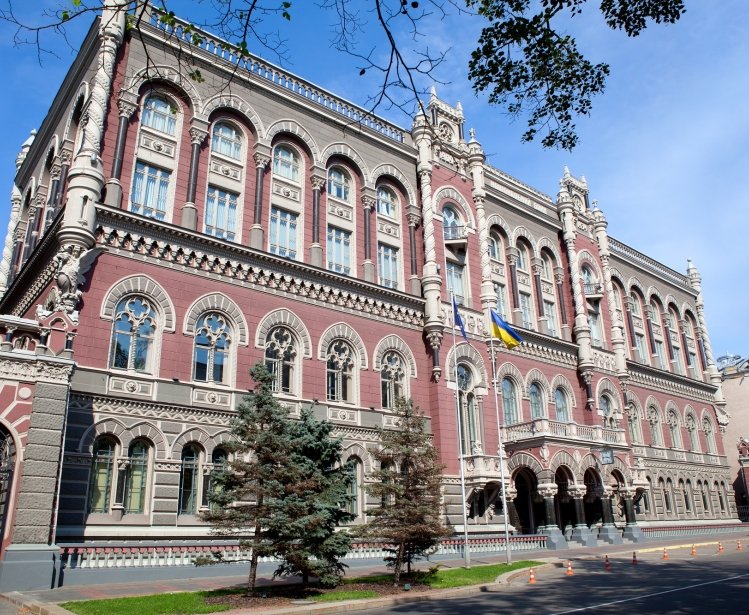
pixel 660 355
pixel 594 322
pixel 550 311
pixel 527 310
pixel 283 232
pixel 455 282
pixel 148 196
pixel 499 293
pixel 387 264
pixel 640 343
pixel 339 250
pixel 221 213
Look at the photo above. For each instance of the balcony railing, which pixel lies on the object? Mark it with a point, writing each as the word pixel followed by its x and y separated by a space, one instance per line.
pixel 594 289
pixel 556 429
pixel 454 232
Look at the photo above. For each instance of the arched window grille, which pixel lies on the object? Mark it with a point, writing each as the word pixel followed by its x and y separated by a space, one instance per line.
pixel 280 356
pixel 536 398
pixel 392 377
pixel 133 336
pixel 340 372
pixel 509 402
pixel 212 343
pixel 469 420
pixel 561 405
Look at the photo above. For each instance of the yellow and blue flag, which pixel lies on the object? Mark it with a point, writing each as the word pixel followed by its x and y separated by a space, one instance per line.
pixel 503 331
pixel 457 320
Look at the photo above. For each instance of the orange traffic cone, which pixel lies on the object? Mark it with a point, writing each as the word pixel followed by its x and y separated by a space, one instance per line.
pixel 665 553
pixel 738 546
pixel 634 558
pixel 720 547
pixel 607 564
pixel 569 568
pixel 693 552
pixel 532 577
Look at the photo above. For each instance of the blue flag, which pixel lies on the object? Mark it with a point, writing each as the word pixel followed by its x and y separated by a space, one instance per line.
pixel 457 320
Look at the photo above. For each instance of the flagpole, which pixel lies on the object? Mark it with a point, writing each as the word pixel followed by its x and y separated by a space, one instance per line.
pixel 500 451
pixel 466 550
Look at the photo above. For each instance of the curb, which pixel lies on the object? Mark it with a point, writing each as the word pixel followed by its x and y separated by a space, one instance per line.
pixel 37 608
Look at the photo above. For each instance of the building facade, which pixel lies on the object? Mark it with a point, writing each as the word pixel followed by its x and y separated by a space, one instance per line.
pixel 167 233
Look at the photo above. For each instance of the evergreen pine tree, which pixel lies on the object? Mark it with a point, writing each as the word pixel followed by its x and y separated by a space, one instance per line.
pixel 284 493
pixel 407 486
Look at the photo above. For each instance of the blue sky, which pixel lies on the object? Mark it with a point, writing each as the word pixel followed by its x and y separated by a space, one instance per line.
pixel 665 151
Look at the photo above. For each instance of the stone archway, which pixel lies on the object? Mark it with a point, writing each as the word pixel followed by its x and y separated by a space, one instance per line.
pixel 528 504
pixel 563 501
pixel 7 467
pixel 592 497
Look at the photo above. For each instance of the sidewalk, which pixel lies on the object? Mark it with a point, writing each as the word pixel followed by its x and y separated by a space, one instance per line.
pixel 45 601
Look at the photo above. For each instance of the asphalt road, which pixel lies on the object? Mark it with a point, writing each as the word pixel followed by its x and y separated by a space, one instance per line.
pixel 708 583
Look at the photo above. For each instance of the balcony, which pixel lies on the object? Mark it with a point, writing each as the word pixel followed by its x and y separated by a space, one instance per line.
pixel 557 430
pixel 481 469
pixel 455 233
pixel 593 290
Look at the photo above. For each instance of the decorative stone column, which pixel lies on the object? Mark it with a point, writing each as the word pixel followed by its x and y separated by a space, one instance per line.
pixel 581 327
pixel 543 324
pixel 617 326
pixel 559 280
pixel 315 250
pixel 555 538
pixel 413 216
pixel 431 280
pixel 189 213
pixel 127 104
pixel 608 532
pixel 262 159
pixel 632 531
pixel 6 275
pixel 517 313
pixel 476 160
pixel 581 533
pixel 368 267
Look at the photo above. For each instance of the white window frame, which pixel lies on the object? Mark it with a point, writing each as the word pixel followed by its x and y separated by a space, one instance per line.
pixel 143 200
pixel 455 277
pixel 286 167
pixel 388 265
pixel 221 203
pixel 231 142
pixel 339 250
pixel 283 235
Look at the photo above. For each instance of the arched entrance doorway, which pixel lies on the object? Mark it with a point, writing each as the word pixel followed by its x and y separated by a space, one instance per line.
pixel 528 505
pixel 618 486
pixel 7 466
pixel 592 498
pixel 565 506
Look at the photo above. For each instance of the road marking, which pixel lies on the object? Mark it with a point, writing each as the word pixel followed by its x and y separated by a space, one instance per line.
pixel 667 591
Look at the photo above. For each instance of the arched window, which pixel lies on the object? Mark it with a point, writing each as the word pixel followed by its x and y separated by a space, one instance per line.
pixel 633 423
pixel 561 406
pixel 721 498
pixel 387 202
pixel 452 225
pixel 189 480
pixel 136 478
pixel 339 184
pixel 286 163
pixel 212 342
pixel 547 271
pixel 536 397
pixel 469 420
pixel 133 336
pixel 588 278
pixel 674 429
pixel 159 114
pixel 280 356
pixel 509 402
pixel 495 246
pixel 694 441
pixel 220 462
pixel 604 403
pixel 392 377
pixel 354 487
pixel 656 433
pixel 102 474
pixel 340 372
pixel 522 257
pixel 707 427
pixel 687 494
pixel 227 140
pixel 667 494
pixel 636 309
pixel 705 497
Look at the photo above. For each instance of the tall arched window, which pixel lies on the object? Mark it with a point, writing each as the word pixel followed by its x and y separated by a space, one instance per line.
pixel 495 246
pixel 674 429
pixel 509 402
pixel 212 342
pixel 561 405
pixel 133 336
pixel 286 163
pixel 220 462
pixel 387 202
pixel 340 372
pixel 691 425
pixel 339 184
pixel 189 480
pixel 633 423
pixel 354 487
pixel 537 402
pixel 452 225
pixel 227 140
pixel 604 403
pixel 280 356
pixel 102 475
pixel 686 494
pixel 469 419
pixel 707 427
pixel 136 478
pixel 522 257
pixel 392 377
pixel 656 433
pixel 159 114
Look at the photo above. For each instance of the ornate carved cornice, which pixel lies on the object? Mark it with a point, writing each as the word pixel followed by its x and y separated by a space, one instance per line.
pixel 123 233
pixel 648 377
pixel 36 369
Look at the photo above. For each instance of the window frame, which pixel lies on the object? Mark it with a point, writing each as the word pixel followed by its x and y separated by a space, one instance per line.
pixel 388 262
pixel 286 168
pixel 284 229
pixel 235 142
pixel 225 330
pixel 225 202
pixel 137 338
pixel 338 253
